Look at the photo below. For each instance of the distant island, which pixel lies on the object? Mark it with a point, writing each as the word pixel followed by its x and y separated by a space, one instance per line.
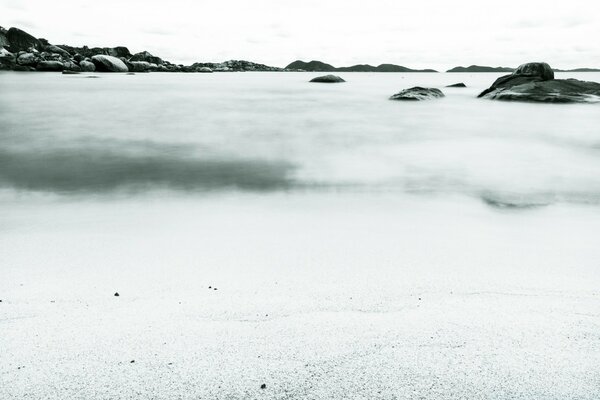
pixel 479 68
pixel 318 66
pixel 21 51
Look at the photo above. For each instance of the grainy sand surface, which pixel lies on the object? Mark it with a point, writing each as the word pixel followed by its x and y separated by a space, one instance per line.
pixel 318 297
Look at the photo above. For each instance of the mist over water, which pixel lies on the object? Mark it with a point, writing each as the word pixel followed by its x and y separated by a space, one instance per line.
pixel 68 135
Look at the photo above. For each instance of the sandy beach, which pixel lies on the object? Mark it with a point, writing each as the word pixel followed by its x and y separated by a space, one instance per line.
pixel 314 296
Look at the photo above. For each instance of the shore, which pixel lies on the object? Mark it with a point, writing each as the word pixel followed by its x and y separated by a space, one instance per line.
pixel 386 298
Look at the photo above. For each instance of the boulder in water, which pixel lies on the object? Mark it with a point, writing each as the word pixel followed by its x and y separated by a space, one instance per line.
pixel 535 82
pixel 418 93
pixel 57 50
pixel 204 70
pixel 458 85
pixel 327 79
pixel 105 63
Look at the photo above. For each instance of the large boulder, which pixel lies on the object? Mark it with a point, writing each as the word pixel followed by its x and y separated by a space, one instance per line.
pixel 418 93
pixel 105 63
pixel 119 51
pixel 140 66
pixel 3 39
pixel 22 41
pixel 327 79
pixel 535 82
pixel 87 66
pixel 145 56
pixel 57 50
pixel 530 72
pixel 553 91
pixel 50 66
pixel 28 59
pixel 8 60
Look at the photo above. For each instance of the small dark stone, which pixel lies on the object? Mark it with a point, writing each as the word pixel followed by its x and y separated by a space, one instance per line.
pixel 131 362
pixel 327 79
pixel 210 287
pixel 461 85
pixel 117 294
pixel 215 289
pixel 70 72
pixel 263 386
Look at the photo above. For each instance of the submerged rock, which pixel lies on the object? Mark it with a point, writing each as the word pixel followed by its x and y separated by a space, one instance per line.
pixel 22 41
pixel 457 85
pixel 535 82
pixel 105 63
pixel 69 72
pixel 327 79
pixel 50 66
pixel 418 93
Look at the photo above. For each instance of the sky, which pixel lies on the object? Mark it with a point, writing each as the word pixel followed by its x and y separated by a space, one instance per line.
pixel 437 34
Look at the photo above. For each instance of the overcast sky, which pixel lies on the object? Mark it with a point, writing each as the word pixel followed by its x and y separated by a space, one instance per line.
pixel 420 33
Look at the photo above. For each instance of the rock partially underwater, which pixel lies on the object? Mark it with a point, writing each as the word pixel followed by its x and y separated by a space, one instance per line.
pixel 534 82
pixel 327 79
pixel 418 93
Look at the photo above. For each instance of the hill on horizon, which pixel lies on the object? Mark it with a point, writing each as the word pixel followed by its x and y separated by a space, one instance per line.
pixel 319 66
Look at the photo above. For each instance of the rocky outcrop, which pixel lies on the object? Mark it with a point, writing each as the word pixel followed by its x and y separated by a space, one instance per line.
pixel 22 41
pixel 119 51
pixel 312 66
pixel 535 82
pixel 149 58
pixel 327 79
pixel 109 64
pixel 458 85
pixel 28 59
pixel 418 93
pixel 3 39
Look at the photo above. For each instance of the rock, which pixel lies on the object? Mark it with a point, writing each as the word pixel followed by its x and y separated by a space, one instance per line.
pixel 87 66
pixel 327 79
pixel 20 40
pixel 50 66
pixel 23 68
pixel 127 63
pixel 57 50
pixel 71 66
pixel 535 82
pixel 140 66
pixel 263 386
pixel 145 56
pixel 116 294
pixel 552 91
pixel 119 51
pixel 27 59
pixel 7 59
pixel 418 93
pixel 458 85
pixel 78 58
pixel 530 72
pixel 71 72
pixel 204 70
pixel 105 63
pixel 3 39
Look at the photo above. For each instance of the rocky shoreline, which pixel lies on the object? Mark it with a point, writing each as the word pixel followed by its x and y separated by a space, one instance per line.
pixel 20 51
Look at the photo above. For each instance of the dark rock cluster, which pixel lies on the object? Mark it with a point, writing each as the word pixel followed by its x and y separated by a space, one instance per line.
pixel 535 82
pixel 20 51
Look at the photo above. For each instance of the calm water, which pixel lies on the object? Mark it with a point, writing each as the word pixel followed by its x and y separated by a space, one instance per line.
pixel 73 136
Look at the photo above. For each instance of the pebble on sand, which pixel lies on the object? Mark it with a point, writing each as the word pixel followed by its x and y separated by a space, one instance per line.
pixel 116 294
pixel 263 386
